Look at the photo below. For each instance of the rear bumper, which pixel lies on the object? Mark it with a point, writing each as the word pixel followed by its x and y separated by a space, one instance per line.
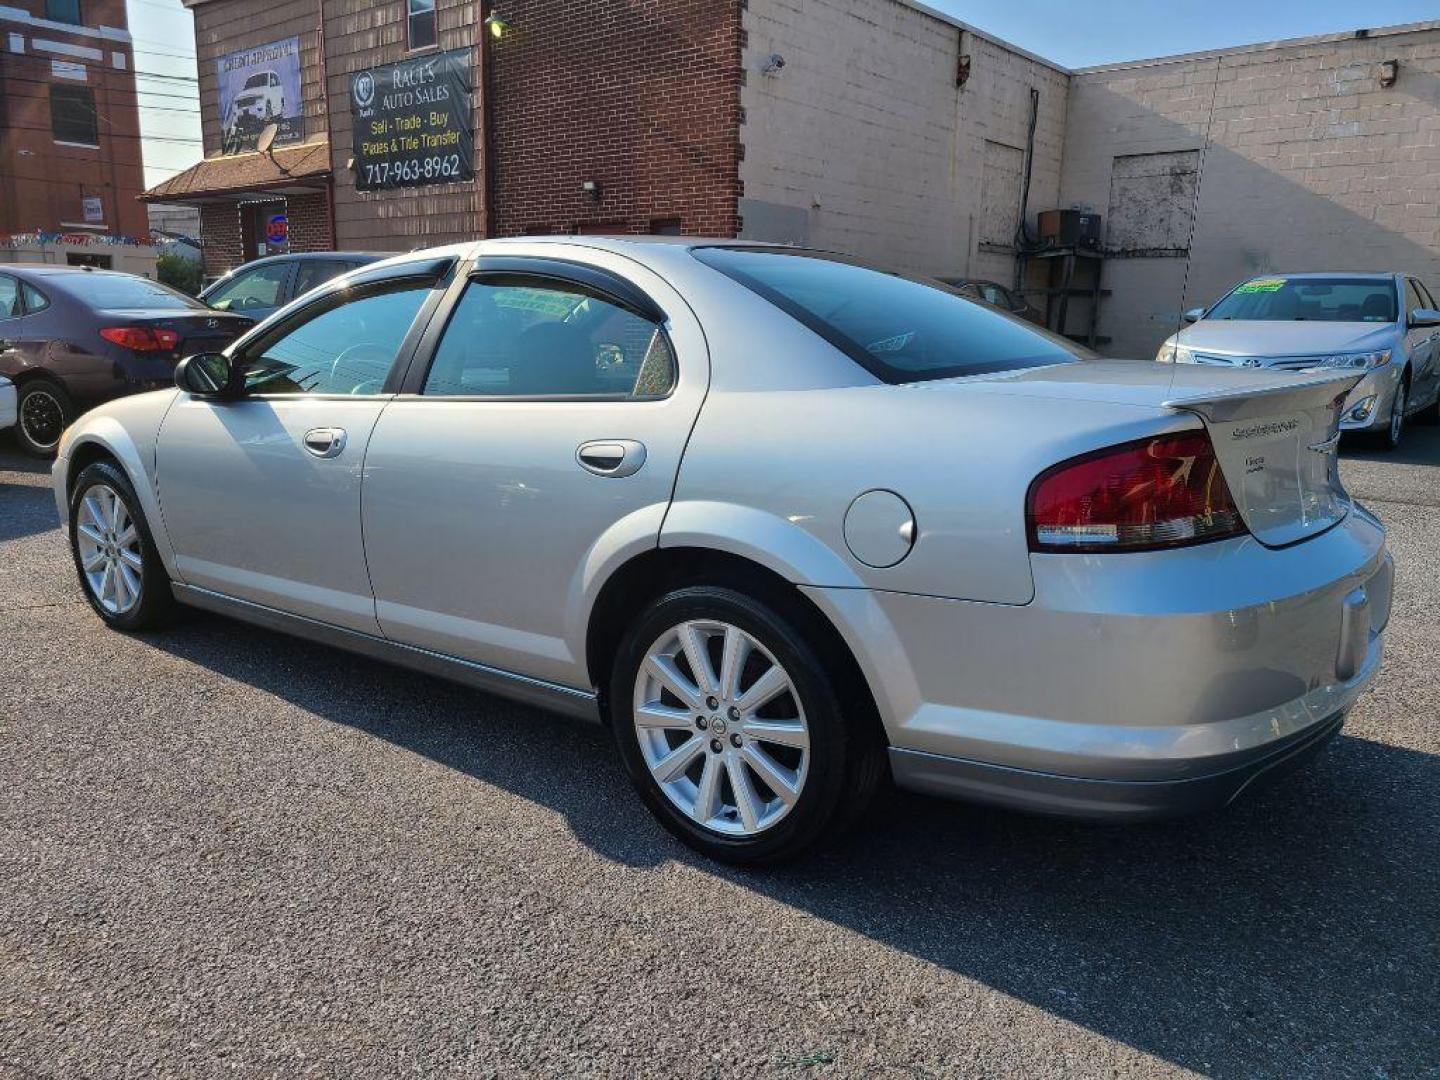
pixel 1132 686
pixel 1107 800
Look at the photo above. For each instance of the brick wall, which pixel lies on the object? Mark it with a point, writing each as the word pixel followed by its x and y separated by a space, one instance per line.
pixel 863 142
pixel 1312 165
pixel 309 221
pixel 44 181
pixel 221 245
pixel 641 97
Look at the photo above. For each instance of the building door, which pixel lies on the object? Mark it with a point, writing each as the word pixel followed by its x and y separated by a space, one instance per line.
pixel 264 229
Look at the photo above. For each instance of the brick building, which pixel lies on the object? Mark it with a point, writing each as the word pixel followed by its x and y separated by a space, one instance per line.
pixel 694 116
pixel 69 125
pixel 879 127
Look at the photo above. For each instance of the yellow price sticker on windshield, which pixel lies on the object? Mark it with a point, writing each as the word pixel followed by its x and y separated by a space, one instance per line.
pixel 1259 285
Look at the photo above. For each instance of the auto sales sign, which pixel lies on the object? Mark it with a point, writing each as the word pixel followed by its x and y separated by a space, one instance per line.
pixel 413 122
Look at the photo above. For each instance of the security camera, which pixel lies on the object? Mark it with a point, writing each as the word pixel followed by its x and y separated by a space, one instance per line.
pixel 773 63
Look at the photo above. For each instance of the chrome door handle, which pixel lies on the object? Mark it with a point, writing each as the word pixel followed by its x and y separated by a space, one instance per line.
pixel 611 457
pixel 325 442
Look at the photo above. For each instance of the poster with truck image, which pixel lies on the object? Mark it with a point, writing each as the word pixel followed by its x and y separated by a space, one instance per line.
pixel 259 87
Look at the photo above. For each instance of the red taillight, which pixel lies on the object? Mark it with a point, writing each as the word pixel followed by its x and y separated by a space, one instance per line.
pixel 1158 492
pixel 141 338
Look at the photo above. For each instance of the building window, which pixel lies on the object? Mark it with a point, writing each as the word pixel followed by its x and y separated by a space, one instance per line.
pixel 66 11
pixel 420 19
pixel 72 115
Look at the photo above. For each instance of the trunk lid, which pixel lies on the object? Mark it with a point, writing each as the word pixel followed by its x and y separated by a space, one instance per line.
pixel 1277 447
pixel 199 332
pixel 1275 433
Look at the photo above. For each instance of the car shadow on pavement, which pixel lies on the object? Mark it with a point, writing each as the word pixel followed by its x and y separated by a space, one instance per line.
pixel 29 510
pixel 1420 447
pixel 1293 931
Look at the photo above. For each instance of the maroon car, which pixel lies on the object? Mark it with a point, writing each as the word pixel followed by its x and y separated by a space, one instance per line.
pixel 72 337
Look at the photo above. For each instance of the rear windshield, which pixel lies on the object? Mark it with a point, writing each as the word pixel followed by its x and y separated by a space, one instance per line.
pixel 901 329
pixel 1330 299
pixel 117 291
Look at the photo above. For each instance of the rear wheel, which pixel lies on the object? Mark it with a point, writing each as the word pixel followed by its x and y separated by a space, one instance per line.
pixel 731 730
pixel 120 570
pixel 44 412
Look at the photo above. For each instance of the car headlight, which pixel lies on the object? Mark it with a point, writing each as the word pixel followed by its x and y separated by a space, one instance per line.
pixel 1357 360
pixel 1174 353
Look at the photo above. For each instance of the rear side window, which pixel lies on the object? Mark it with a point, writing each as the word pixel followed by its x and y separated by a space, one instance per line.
pixel 35 300
pixel 9 297
pixel 518 337
pixel 345 349
pixel 900 329
pixel 312 273
pixel 123 292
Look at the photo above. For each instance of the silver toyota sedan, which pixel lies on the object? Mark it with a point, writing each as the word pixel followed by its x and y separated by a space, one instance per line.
pixel 788 524
pixel 1385 326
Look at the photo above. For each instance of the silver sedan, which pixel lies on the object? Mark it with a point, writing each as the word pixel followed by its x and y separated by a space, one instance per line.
pixel 1383 326
pixel 789 525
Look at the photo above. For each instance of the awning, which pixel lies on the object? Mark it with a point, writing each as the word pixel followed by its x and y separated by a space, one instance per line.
pixel 285 170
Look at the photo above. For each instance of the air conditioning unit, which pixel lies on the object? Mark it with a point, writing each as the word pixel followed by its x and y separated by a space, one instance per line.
pixel 1071 228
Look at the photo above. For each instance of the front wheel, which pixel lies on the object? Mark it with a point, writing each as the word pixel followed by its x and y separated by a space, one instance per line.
pixel 120 570
pixel 1395 432
pixel 731 730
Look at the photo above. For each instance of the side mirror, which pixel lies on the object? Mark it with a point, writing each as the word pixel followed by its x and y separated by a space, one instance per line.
pixel 1195 314
pixel 206 375
pixel 1424 316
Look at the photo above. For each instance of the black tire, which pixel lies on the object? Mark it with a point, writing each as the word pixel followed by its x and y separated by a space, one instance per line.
pixel 43 412
pixel 156 604
pixel 846 759
pixel 1394 433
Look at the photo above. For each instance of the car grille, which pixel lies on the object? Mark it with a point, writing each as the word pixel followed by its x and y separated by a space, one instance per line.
pixel 1290 363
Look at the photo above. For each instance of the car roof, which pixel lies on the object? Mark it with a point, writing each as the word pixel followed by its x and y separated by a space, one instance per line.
pixel 1363 275
pixel 53 270
pixel 313 256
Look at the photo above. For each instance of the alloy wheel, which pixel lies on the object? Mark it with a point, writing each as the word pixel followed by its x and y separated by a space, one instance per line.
pixel 721 727
pixel 109 546
pixel 43 418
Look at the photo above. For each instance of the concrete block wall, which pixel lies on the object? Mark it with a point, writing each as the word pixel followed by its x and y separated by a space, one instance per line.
pixel 863 142
pixel 1312 165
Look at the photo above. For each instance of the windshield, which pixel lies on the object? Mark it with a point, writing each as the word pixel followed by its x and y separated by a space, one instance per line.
pixel 1337 299
pixel 255 81
pixel 900 329
pixel 122 291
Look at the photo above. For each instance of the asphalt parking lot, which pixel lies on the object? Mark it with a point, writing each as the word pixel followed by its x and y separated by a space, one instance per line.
pixel 226 852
